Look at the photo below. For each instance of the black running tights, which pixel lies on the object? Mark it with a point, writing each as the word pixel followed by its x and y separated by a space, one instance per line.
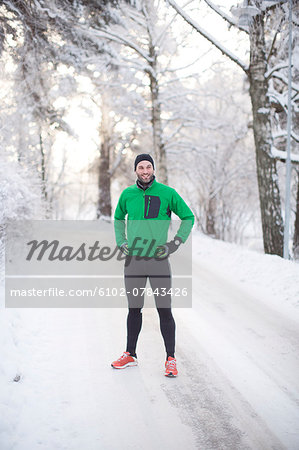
pixel 167 327
pixel 136 274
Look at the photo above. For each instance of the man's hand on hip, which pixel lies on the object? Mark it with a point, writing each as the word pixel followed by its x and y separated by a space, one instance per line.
pixel 124 248
pixel 163 251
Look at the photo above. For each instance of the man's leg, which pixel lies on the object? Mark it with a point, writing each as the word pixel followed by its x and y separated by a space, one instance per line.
pixel 134 283
pixel 167 327
pixel 161 284
pixel 134 324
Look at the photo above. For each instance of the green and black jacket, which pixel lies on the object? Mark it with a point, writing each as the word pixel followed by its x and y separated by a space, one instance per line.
pixel 148 214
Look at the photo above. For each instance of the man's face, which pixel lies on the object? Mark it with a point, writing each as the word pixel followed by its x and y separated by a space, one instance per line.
pixel 144 171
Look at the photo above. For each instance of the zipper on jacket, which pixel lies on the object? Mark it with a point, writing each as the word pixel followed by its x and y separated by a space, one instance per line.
pixel 148 205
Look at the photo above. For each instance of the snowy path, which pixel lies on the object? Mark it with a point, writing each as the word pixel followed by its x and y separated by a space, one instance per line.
pixel 237 388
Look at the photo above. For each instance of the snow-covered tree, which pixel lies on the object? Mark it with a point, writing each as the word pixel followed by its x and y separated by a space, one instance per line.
pixel 296 225
pixel 118 131
pixel 259 71
pixel 33 120
pixel 216 143
pixel 277 31
pixel 39 37
pixel 141 33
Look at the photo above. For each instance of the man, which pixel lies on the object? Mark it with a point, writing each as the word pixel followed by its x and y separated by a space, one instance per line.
pixel 148 206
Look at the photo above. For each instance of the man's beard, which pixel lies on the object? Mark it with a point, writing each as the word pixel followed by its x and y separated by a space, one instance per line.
pixel 145 182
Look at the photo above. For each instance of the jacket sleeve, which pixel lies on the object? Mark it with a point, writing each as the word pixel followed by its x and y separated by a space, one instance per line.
pixel 119 221
pixel 182 210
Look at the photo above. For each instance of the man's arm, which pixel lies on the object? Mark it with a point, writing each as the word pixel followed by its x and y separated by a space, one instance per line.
pixel 182 210
pixel 119 222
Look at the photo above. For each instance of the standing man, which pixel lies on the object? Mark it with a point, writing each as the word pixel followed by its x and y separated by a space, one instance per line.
pixel 143 239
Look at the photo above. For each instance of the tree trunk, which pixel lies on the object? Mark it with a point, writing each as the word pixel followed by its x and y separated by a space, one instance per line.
pixel 159 148
pixel 267 176
pixel 43 167
pixel 158 144
pixel 210 216
pixel 296 231
pixel 104 177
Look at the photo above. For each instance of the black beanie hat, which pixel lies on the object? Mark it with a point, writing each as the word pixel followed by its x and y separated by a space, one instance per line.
pixel 143 157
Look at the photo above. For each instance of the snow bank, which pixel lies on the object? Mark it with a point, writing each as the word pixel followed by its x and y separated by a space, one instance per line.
pixel 269 277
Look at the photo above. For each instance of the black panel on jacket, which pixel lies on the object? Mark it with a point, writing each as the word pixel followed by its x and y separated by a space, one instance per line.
pixel 152 206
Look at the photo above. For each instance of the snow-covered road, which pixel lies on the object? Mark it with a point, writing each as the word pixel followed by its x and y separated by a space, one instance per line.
pixel 253 349
pixel 238 384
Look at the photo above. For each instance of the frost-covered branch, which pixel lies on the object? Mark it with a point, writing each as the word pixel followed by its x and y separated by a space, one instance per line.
pixel 163 32
pixel 208 36
pixel 119 156
pixel 122 40
pixel 282 156
pixel 282 101
pixel 278 67
pixel 134 15
pixel 136 65
pixel 183 67
pixel 279 76
pixel 294 136
pixel 173 134
pixel 225 16
pixel 274 41
pixel 272 4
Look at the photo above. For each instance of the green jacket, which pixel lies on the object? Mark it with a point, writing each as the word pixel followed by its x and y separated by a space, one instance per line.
pixel 148 217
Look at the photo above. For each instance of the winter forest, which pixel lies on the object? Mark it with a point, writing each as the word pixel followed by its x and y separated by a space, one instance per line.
pixel 86 85
pixel 210 88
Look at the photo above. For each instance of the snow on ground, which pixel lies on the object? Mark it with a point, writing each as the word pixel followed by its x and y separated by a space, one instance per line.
pixel 237 351
pixel 264 275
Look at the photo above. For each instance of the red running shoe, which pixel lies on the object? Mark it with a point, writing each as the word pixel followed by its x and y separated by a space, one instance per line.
pixel 170 367
pixel 124 361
